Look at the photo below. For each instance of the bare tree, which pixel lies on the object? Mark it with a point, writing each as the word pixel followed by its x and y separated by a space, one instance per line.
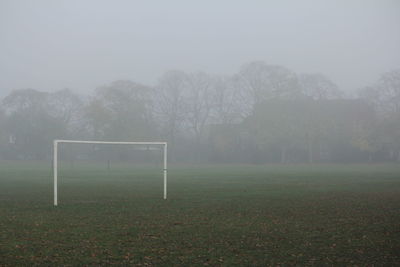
pixel 318 87
pixel 68 107
pixel 259 82
pixel 389 87
pixel 121 110
pixel 31 123
pixel 169 103
pixel 227 107
pixel 199 102
pixel 384 95
pixel 26 99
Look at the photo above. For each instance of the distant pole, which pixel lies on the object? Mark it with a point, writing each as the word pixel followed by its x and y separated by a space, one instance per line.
pixel 55 171
pixel 165 171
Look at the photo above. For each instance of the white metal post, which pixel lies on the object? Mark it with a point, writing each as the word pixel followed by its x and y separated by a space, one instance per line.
pixel 55 161
pixel 165 171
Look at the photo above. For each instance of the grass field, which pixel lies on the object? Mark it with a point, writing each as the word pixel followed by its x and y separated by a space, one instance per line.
pixel 215 215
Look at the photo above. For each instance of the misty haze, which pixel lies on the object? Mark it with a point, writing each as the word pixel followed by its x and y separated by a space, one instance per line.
pixel 199 133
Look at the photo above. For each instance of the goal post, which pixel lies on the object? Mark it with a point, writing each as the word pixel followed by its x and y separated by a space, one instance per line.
pixel 55 159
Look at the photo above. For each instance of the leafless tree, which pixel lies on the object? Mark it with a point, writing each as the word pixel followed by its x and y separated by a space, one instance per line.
pixel 318 87
pixel 227 107
pixel 169 103
pixel 259 82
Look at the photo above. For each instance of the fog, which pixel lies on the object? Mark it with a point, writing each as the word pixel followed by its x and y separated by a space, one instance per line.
pixel 226 81
pixel 51 45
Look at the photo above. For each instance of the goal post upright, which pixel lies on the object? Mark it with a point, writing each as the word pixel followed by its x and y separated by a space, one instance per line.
pixel 55 171
pixel 165 170
pixel 55 159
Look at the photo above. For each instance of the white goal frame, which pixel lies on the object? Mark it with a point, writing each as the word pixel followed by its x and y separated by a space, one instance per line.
pixel 55 159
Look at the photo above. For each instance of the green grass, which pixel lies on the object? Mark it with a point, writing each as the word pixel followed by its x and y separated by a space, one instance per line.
pixel 216 215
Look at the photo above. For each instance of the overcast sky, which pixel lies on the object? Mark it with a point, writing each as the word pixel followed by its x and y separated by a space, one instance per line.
pixel 50 45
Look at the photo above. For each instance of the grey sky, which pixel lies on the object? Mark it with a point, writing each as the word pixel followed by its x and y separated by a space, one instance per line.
pixel 50 45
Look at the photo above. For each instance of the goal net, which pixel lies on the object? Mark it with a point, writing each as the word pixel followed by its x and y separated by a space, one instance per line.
pixel 56 143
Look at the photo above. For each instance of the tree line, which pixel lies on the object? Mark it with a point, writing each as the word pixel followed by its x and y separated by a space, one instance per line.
pixel 263 113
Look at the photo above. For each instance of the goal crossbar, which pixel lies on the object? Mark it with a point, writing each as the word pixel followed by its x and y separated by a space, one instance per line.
pixel 55 159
